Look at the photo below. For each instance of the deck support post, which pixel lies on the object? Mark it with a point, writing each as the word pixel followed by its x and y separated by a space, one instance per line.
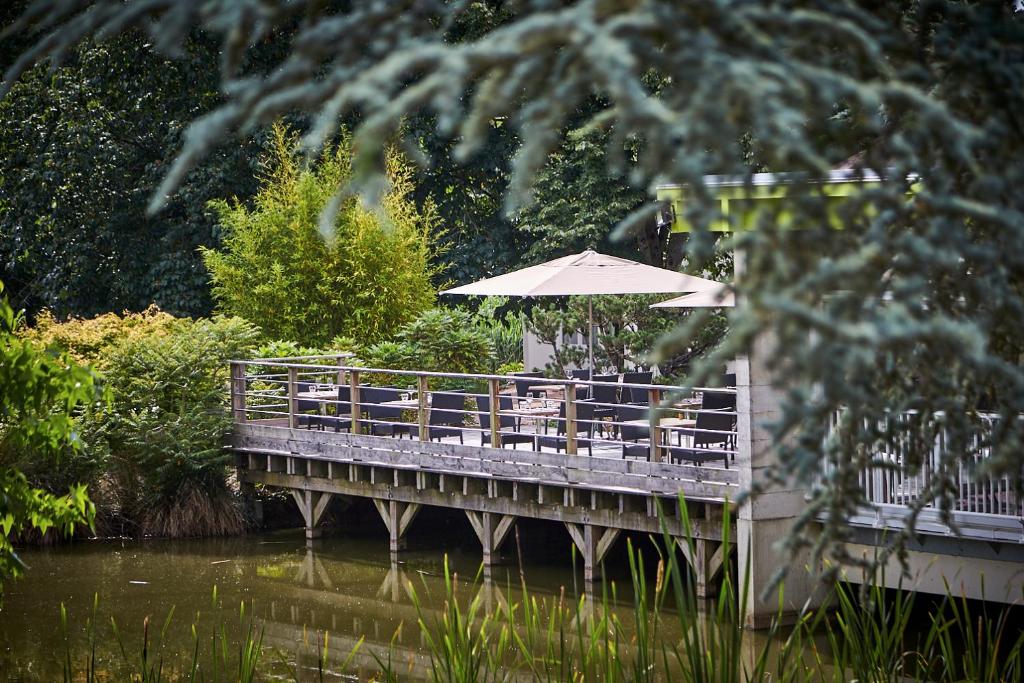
pixel 293 398
pixel 654 405
pixel 762 521
pixel 706 559
pixel 397 517
pixel 312 506
pixel 593 542
pixel 252 506
pixel 570 419
pixel 492 530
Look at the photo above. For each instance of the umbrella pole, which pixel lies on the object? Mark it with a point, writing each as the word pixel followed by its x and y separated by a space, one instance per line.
pixel 590 335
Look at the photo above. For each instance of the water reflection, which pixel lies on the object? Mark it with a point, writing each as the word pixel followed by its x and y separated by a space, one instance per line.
pixel 346 587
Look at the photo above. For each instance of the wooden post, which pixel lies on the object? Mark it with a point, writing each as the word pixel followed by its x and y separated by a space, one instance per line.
pixel 312 506
pixel 357 412
pixel 293 399
pixel 397 517
pixel 593 542
pixel 238 391
pixel 341 373
pixel 570 418
pixel 494 394
pixel 654 404
pixel 423 394
pixel 491 529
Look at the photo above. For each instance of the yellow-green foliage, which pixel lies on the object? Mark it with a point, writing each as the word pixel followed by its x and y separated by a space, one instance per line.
pixel 364 280
pixel 152 455
pixel 90 340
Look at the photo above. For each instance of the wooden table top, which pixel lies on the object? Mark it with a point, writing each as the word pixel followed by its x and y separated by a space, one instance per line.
pixel 547 387
pixel 318 394
pixel 534 411
pixel 404 403
pixel 664 422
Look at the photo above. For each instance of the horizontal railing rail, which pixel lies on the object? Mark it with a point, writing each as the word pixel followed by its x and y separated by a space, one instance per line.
pixel 564 418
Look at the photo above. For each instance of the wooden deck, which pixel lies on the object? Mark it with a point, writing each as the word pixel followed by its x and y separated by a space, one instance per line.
pixel 596 497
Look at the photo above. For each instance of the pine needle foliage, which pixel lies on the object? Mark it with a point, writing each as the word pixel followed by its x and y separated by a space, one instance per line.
pixel 366 277
pixel 917 304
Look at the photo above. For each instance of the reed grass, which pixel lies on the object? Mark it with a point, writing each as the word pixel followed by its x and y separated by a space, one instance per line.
pixel 666 634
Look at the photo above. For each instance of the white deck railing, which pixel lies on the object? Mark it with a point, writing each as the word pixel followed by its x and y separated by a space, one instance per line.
pixel 981 505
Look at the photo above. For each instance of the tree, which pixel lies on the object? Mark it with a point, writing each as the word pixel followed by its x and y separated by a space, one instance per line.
pixel 578 200
pixel 629 331
pixel 369 276
pixel 83 148
pixel 39 393
pixel 917 303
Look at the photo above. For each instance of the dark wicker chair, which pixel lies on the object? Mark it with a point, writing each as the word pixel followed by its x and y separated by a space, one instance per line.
pixel 525 380
pixel 712 437
pixel 637 396
pixel 582 393
pixel 584 425
pixel 385 418
pixel 634 433
pixel 304 405
pixel 506 423
pixel 605 394
pixel 446 415
pixel 718 400
pixel 342 418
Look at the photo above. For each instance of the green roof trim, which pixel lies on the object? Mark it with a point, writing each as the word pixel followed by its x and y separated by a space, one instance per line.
pixel 743 199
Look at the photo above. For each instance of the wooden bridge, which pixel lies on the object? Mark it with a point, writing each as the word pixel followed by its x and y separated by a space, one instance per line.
pixel 312 429
pixel 589 455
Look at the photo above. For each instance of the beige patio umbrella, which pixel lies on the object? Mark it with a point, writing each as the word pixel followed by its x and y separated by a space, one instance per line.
pixel 586 274
pixel 720 297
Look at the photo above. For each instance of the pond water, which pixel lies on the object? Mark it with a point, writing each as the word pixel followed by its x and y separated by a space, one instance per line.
pixel 346 586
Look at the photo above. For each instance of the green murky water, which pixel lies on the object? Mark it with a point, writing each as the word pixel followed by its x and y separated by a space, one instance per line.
pixel 346 586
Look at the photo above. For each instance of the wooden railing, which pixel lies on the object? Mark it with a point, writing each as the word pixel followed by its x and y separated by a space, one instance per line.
pixel 649 422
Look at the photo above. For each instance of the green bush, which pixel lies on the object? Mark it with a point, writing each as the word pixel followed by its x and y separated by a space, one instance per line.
pixel 90 340
pixel 366 278
pixel 166 425
pixel 505 332
pixel 152 456
pixel 449 340
pixel 392 356
pixel 39 393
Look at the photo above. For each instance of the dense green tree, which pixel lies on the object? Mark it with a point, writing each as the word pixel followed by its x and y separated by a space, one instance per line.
pixel 480 240
pixel 82 148
pixel 39 393
pixel 368 276
pixel 917 303
pixel 578 201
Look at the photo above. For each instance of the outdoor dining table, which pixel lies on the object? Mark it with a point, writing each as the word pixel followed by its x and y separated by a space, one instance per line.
pixel 665 423
pixel 404 403
pixel 322 394
pixel 318 394
pixel 539 414
pixel 546 388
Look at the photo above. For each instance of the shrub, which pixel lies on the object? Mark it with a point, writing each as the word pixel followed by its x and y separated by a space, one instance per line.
pixel 166 426
pixel 366 278
pixel 505 332
pixel 90 340
pixel 449 340
pixel 393 356
pixel 152 456
pixel 39 393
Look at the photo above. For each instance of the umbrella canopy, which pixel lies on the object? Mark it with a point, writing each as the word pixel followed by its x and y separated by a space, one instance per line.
pixel 586 273
pixel 721 297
